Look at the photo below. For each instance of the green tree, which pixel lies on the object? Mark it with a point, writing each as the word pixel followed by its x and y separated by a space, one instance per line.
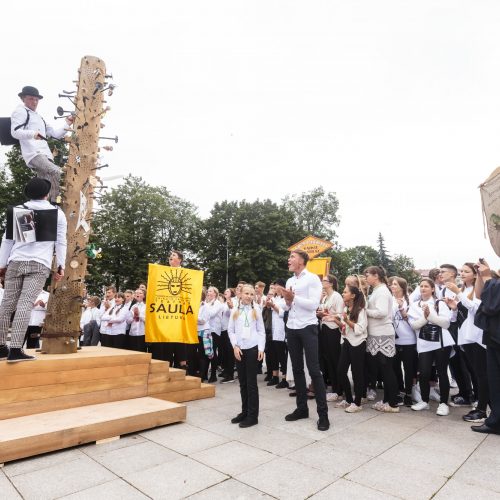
pixel 384 259
pixel 353 260
pixel 315 212
pixel 16 174
pixel 137 224
pixel 405 268
pixel 255 236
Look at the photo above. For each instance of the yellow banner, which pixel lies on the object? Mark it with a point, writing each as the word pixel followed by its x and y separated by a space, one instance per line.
pixel 172 304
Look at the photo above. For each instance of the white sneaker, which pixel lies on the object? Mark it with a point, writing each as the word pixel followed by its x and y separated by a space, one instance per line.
pixel 343 404
pixel 353 408
pixel 387 408
pixel 379 405
pixel 443 410
pixel 422 405
pixel 371 395
pixel 415 393
pixel 332 396
pixel 434 395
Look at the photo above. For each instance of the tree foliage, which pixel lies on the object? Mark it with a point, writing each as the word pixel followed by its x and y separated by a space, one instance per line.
pixel 137 224
pixel 315 212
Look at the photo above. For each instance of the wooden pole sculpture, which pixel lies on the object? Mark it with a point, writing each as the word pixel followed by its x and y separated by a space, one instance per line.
pixel 62 324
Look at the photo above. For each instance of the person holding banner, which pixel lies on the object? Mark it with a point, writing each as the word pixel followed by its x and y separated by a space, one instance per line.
pixel 176 353
pixel 247 334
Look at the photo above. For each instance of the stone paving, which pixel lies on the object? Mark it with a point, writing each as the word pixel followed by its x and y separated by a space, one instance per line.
pixel 367 455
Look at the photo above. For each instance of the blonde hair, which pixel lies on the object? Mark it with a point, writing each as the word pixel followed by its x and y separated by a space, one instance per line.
pixel 236 313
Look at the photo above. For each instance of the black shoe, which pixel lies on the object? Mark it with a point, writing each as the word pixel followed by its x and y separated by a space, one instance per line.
pixel 399 401
pixel 484 429
pixel 4 352
pixel 239 418
pixel 248 422
pixel 475 416
pixel 323 424
pixel 259 371
pixel 292 394
pixel 212 379
pixel 458 401
pixel 227 380
pixel 267 378
pixel 296 415
pixel 273 381
pixel 407 401
pixel 17 354
pixel 282 385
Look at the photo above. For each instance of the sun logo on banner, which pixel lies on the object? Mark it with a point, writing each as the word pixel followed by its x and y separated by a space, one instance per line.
pixel 175 282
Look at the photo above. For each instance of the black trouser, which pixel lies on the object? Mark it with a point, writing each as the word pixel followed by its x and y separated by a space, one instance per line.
pixel 278 357
pixel 477 357
pixel 136 343
pixel 32 337
pixel 247 375
pixel 105 341
pixel 493 365
pixel 440 356
pixel 91 335
pixel 173 352
pixel 228 358
pixel 204 360
pixel 408 356
pixel 218 356
pixel 329 349
pixel 461 374
pixel 300 341
pixel 354 357
pixel 384 364
pixel 117 341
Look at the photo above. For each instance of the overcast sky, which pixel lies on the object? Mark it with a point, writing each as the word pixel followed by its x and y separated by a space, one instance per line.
pixel 393 105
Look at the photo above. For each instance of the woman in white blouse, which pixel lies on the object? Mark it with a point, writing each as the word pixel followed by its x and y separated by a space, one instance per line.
pixel 430 318
pixel 353 327
pixel 406 341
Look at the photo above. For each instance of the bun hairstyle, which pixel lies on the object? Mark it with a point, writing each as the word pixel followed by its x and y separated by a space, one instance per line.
pixel 236 313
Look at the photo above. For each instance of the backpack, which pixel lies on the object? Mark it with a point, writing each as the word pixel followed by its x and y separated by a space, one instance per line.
pixel 6 138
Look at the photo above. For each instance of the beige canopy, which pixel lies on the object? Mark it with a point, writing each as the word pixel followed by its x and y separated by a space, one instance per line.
pixel 490 198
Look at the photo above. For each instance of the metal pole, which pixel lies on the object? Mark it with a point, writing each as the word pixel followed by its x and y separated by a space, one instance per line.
pixel 227 262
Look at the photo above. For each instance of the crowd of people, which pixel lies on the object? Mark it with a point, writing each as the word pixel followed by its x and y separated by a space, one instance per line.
pixel 413 344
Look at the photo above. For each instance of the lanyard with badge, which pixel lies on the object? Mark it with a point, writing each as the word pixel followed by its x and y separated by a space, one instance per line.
pixel 245 334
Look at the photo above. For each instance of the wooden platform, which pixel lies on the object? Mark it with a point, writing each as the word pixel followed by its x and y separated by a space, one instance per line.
pixel 34 434
pixel 93 378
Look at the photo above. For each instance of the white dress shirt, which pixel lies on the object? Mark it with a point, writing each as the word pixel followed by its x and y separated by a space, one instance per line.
pixel 31 147
pixel 37 251
pixel 90 313
pixel 333 304
pixel 137 323
pixel 214 310
pixel 278 324
pixel 245 331
pixel 307 288
pixel 118 317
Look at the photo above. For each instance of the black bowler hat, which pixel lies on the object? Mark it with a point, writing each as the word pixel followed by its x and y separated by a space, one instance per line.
pixel 28 90
pixel 37 188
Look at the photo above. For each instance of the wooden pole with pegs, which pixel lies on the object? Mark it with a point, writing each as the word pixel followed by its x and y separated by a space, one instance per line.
pixel 62 323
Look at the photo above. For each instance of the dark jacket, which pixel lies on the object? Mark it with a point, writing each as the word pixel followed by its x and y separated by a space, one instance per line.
pixel 488 314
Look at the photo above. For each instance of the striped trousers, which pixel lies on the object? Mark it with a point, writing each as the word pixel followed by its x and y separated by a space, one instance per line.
pixel 47 169
pixel 24 280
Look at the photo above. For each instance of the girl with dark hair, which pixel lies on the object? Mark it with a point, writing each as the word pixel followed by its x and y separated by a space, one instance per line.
pixel 430 318
pixel 380 343
pixel 353 326
pixel 329 335
pixel 406 341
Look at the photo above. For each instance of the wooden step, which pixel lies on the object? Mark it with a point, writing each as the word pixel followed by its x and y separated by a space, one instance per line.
pixel 202 392
pixel 158 366
pixel 172 375
pixel 87 357
pixel 31 435
pixel 176 374
pixel 175 385
pixel 11 410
